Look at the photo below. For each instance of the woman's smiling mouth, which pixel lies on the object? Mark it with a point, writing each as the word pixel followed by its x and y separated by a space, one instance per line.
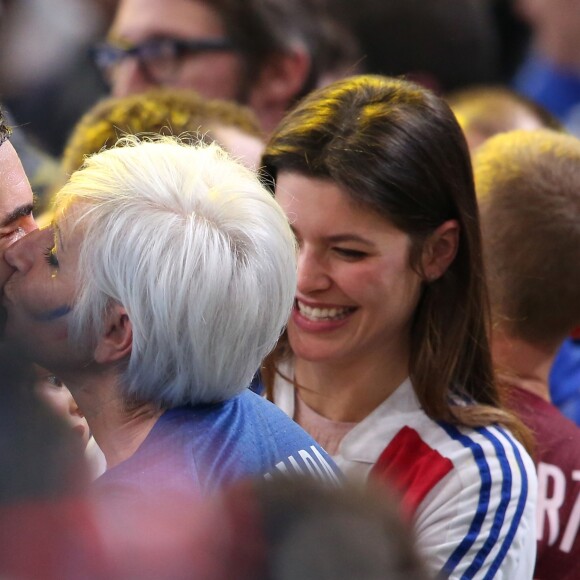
pixel 316 314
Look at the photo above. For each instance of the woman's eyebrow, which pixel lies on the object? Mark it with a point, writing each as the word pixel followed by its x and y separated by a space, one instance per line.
pixel 341 238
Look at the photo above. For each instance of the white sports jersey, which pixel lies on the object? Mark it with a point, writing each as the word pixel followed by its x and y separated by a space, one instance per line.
pixel 472 491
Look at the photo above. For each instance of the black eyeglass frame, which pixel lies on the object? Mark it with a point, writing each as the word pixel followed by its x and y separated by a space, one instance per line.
pixel 107 55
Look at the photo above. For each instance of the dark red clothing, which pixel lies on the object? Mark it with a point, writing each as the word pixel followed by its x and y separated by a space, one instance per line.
pixel 51 539
pixel 558 465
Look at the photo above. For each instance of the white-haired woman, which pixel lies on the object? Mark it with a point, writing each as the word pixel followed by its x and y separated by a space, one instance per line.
pixel 167 275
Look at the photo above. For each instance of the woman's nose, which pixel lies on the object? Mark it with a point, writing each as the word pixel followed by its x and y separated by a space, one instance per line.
pixel 312 272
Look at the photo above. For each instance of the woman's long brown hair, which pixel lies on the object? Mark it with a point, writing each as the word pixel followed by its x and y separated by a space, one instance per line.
pixel 397 150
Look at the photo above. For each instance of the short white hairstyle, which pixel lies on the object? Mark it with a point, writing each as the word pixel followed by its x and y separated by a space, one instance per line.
pixel 199 254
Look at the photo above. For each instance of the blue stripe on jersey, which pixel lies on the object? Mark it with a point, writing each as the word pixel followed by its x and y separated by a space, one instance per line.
pixel 484 494
pixel 505 496
pixel 519 509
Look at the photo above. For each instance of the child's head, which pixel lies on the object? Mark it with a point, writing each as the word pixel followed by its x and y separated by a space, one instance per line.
pixel 51 390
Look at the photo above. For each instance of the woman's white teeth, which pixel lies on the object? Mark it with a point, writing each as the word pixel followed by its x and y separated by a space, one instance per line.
pixel 323 313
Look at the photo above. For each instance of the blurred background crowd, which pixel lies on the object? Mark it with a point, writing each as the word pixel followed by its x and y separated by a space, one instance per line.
pixel 75 75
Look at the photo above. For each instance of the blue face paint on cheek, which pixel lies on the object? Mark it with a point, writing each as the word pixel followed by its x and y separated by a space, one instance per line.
pixel 54 314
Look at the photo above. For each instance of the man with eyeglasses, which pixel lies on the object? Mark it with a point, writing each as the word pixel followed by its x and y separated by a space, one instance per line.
pixel 262 53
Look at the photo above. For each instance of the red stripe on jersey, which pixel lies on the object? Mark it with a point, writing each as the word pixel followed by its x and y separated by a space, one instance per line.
pixel 410 466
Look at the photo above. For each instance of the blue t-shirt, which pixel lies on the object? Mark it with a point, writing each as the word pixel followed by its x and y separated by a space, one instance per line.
pixel 203 447
pixel 565 380
pixel 555 89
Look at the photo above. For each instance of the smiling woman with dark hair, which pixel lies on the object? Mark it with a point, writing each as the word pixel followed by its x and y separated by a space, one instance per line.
pixel 386 359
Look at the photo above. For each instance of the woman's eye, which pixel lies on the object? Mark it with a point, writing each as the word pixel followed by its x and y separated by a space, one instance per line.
pixel 50 257
pixel 54 381
pixel 350 254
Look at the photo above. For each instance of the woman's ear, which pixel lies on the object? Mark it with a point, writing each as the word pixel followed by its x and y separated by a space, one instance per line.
pixel 440 250
pixel 116 341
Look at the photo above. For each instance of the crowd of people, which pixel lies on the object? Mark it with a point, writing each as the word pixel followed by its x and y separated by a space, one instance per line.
pixel 297 296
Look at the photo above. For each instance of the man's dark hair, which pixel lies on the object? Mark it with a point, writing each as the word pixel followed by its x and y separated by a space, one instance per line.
pixel 5 131
pixel 442 44
pixel 261 28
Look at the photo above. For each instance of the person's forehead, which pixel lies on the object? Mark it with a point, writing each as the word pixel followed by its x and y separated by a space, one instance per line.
pixel 240 144
pixel 70 220
pixel 138 20
pixel 14 187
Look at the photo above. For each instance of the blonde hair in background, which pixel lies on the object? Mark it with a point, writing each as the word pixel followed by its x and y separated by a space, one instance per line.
pixel 528 183
pixel 164 111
